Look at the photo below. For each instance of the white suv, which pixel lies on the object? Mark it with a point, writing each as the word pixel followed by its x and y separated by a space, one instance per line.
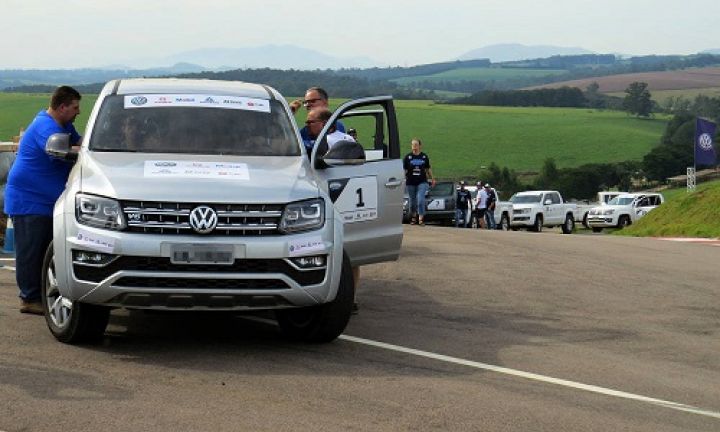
pixel 623 210
pixel 199 195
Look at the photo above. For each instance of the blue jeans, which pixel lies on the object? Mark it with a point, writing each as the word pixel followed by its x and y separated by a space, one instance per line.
pixel 33 234
pixel 490 219
pixel 416 198
pixel 460 217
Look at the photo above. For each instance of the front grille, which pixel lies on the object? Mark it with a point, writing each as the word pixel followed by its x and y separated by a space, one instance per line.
pixel 202 283
pixel 174 218
pixel 159 264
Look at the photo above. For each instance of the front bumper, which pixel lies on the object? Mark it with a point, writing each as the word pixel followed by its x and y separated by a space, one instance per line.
pixel 140 273
pixel 601 221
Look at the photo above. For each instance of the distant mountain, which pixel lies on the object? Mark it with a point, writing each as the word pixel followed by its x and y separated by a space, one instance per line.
pixel 512 52
pixel 75 77
pixel 267 56
pixel 715 51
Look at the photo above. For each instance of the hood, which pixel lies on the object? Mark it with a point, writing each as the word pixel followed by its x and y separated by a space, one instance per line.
pixel 197 178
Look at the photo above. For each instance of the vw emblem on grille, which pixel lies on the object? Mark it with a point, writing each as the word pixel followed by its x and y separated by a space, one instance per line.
pixel 203 219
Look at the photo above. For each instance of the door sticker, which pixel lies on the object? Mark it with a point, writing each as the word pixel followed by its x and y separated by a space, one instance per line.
pixel 357 200
pixel 436 204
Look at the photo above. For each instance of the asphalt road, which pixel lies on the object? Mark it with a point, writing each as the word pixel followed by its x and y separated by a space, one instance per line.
pixel 511 331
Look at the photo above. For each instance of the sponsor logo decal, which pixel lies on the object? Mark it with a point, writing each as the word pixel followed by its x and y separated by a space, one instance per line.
pixel 138 100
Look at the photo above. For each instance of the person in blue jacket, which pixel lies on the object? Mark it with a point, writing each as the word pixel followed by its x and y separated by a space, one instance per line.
pixel 35 182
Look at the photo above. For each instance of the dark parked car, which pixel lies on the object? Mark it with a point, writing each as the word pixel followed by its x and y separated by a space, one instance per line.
pixel 439 204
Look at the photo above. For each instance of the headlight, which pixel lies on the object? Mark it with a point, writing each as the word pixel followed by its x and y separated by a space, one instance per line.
pixel 303 216
pixel 609 212
pixel 99 212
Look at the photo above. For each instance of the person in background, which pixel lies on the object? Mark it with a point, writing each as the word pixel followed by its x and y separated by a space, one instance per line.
pixel 490 207
pixel 463 200
pixel 353 133
pixel 481 206
pixel 417 174
pixel 35 182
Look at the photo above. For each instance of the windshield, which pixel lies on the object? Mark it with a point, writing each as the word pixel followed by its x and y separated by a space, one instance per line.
pixel 240 129
pixel 442 189
pixel 621 201
pixel 525 199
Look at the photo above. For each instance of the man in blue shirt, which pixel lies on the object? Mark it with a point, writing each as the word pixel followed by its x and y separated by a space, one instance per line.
pixel 34 183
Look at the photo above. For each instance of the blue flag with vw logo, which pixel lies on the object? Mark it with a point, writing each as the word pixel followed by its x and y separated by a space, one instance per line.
pixel 705 153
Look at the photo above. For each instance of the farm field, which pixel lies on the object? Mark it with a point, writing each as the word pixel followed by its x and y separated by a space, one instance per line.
pixel 460 139
pixel 690 94
pixel 695 78
pixel 18 109
pixel 481 74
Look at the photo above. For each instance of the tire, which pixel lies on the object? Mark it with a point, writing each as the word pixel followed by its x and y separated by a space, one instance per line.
pixel 70 322
pixel 323 323
pixel 504 222
pixel 569 226
pixel 597 229
pixel 538 225
pixel 624 221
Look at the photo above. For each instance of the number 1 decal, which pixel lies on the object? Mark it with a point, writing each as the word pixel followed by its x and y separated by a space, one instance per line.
pixel 360 202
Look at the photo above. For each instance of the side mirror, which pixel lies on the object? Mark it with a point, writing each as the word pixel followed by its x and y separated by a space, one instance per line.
pixel 345 153
pixel 548 202
pixel 58 146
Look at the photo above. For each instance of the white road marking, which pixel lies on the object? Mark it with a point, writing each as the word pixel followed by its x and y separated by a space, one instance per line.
pixel 533 376
pixel 4 267
pixel 514 372
pixel 7 259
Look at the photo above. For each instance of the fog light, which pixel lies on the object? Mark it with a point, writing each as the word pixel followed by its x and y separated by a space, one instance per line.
pixel 309 261
pixel 91 258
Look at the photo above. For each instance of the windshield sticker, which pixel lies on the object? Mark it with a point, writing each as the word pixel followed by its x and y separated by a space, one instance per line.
pixel 95 241
pixel 305 246
pixel 189 169
pixel 197 101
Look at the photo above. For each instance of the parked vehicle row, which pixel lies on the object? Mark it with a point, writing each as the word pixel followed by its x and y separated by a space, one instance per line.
pixel 441 206
pixel 535 210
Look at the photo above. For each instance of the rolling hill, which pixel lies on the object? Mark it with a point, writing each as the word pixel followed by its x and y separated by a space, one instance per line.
pixel 696 78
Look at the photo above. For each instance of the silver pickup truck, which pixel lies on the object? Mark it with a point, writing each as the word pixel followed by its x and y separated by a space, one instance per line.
pixel 198 195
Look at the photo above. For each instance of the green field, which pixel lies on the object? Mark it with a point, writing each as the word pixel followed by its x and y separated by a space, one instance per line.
pixel 17 110
pixel 481 74
pixel 460 139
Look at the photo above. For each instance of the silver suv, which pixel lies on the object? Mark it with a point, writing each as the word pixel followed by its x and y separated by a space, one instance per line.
pixel 199 195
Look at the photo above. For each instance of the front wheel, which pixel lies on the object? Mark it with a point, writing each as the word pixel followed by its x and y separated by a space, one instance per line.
pixel 69 321
pixel 569 225
pixel 624 221
pixel 323 323
pixel 538 225
pixel 505 222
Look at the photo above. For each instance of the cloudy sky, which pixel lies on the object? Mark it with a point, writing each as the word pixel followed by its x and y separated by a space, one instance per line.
pixel 81 33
